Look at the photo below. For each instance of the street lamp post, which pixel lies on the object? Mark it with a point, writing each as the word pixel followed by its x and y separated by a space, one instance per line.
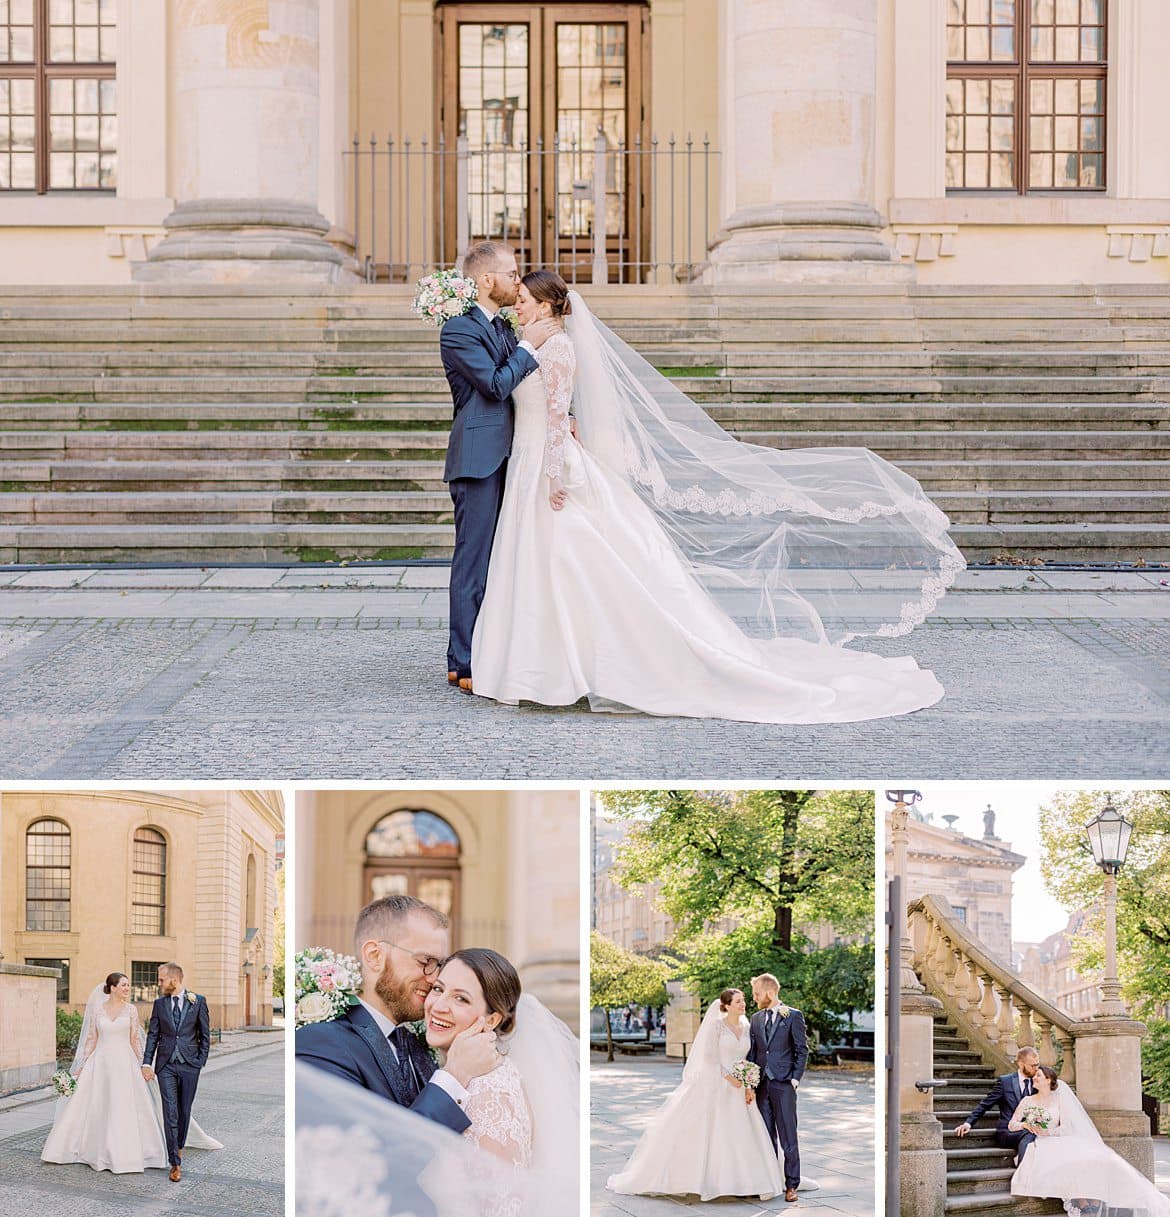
pixel 1109 835
pixel 902 800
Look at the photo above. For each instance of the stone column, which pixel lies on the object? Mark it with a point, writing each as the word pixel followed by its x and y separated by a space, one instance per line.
pixel 544 898
pixel 28 1026
pixel 798 138
pixel 1109 1084
pixel 921 1159
pixel 244 132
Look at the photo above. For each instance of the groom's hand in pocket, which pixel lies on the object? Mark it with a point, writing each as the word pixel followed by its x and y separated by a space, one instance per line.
pixel 472 1053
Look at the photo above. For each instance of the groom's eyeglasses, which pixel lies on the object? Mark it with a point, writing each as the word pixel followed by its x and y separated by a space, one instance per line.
pixel 508 274
pixel 429 964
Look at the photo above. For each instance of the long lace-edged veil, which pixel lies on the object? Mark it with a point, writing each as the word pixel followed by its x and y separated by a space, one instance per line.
pixel 825 544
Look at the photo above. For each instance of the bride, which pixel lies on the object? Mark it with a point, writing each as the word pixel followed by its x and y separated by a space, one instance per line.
pixel 624 565
pixel 707 1140
pixel 524 1111
pixel 1069 1159
pixel 113 1120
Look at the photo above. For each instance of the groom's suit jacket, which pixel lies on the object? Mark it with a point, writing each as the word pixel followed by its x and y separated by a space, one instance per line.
pixel 353 1047
pixel 483 367
pixel 192 1039
pixel 1006 1095
pixel 782 1055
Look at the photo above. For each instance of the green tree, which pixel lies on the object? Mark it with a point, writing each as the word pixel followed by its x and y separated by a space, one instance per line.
pixel 794 856
pixel 1156 1060
pixel 278 940
pixel 1143 887
pixel 618 976
pixel 68 1033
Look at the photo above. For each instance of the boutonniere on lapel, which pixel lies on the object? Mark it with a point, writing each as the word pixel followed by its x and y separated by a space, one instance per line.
pixel 509 315
pixel 419 1031
pixel 192 998
pixel 782 1010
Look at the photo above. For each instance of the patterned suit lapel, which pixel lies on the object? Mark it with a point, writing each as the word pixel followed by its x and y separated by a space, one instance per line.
pixel 365 1026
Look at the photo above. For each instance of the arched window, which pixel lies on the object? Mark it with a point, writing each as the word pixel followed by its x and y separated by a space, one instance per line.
pixel 250 894
pixel 150 882
pixel 47 875
pixel 414 853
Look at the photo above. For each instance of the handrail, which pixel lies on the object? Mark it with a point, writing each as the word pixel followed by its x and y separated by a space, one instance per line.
pixel 982 995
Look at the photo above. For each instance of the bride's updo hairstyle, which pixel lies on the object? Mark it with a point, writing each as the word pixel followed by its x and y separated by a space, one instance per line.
pixel 727 997
pixel 1050 1074
pixel 499 981
pixel 547 287
pixel 112 981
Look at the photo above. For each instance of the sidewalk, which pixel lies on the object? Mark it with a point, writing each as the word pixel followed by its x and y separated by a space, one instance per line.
pixel 319 673
pixel 836 1142
pixel 240 1102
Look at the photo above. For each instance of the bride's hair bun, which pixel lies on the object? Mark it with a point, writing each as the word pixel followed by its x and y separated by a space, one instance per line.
pixel 727 997
pixel 498 979
pixel 113 980
pixel 548 287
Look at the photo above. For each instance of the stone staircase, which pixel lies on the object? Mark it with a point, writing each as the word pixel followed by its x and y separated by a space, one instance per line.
pixel 196 425
pixel 979 1172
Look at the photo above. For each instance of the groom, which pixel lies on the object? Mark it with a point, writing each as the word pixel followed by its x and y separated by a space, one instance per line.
pixel 1006 1095
pixel 484 363
pixel 779 1047
pixel 400 943
pixel 177 1043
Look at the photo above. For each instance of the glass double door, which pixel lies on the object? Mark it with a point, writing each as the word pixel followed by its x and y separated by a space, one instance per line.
pixel 531 86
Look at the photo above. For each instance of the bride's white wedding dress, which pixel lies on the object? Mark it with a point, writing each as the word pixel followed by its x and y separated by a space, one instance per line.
pixel 610 598
pixel 109 1122
pixel 113 1121
pixel 1073 1163
pixel 501 1118
pixel 706 1140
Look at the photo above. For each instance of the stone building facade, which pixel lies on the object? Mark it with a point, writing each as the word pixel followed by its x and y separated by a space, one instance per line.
pixel 974 874
pixel 101 881
pixel 1050 968
pixel 503 865
pixel 952 141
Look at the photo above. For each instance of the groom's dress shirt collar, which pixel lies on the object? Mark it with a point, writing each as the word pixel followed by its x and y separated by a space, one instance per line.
pixel 181 995
pixel 490 318
pixel 440 1077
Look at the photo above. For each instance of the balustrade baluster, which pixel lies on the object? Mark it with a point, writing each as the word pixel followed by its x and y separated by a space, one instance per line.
pixel 988 1008
pixel 1005 1022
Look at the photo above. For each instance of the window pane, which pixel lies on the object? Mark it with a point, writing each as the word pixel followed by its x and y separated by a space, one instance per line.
pixel 954 170
pixel 1066 12
pixel 24 177
pixel 61 174
pixel 976 166
pixel 1091 12
pixel 954 42
pixel 87 44
pixel 1092 168
pixel 1065 171
pixel 1002 134
pixel 1066 96
pixel 978 12
pixel 977 134
pixel 1003 43
pixel 1066 44
pixel 1003 12
pixel 978 46
pixel 61 44
pixel 1003 97
pixel 1040 134
pixel 1002 176
pixel 1090 45
pixel 1041 96
pixel 1066 135
pixel 1042 44
pixel 1043 11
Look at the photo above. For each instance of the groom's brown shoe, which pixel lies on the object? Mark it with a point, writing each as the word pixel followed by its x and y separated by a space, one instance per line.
pixel 176 1174
pixel 452 678
pixel 465 684
pixel 790 1195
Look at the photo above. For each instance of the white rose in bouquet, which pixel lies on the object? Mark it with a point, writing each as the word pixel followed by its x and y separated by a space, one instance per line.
pixel 314 1008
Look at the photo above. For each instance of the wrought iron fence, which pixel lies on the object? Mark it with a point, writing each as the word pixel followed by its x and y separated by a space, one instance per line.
pixel 625 214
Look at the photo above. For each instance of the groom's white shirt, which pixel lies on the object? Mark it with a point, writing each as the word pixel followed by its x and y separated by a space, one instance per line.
pixel 441 1078
pixel 523 342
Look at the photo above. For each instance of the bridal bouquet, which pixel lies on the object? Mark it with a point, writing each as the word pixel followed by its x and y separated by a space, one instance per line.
pixel 1037 1115
pixel 440 296
pixel 746 1074
pixel 326 984
pixel 64 1083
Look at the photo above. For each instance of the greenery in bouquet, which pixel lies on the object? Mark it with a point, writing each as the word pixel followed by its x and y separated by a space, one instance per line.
pixel 442 295
pixel 327 984
pixel 1037 1115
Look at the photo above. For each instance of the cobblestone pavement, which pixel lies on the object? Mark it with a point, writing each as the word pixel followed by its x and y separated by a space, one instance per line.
pixel 240 1102
pixel 316 674
pixel 836 1117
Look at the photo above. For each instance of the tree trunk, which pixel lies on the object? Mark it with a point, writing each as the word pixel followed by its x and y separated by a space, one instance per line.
pixel 782 928
pixel 608 1035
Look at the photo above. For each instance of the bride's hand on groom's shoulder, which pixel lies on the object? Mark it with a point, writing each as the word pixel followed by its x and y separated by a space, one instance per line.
pixel 472 1053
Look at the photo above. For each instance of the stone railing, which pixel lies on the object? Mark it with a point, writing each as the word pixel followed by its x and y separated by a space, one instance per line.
pixel 992 1006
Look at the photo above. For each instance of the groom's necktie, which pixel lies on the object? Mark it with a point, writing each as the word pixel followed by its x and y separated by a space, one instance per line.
pixel 175 1016
pixel 770 1023
pixel 503 332
pixel 1028 1087
pixel 403 1040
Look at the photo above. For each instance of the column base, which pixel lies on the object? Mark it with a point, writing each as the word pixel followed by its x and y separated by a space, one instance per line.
pixel 922 1166
pixel 244 241
pixel 805 243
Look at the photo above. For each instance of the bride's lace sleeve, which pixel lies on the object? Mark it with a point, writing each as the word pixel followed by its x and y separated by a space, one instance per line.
pixel 558 367
pixel 137 1039
pixel 86 1049
pixel 501 1121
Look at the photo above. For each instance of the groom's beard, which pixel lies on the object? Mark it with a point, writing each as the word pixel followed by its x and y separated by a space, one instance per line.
pixel 399 996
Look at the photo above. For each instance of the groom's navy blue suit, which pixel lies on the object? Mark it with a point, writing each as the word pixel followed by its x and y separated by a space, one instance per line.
pixel 484 365
pixel 781 1055
pixel 1006 1095
pixel 176 1049
pixel 353 1047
